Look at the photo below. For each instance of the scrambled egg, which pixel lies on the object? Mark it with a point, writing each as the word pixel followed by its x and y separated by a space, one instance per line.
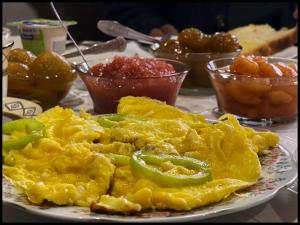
pixel 70 166
pixel 61 168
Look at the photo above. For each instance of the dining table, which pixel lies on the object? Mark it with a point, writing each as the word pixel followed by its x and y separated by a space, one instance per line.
pixel 283 207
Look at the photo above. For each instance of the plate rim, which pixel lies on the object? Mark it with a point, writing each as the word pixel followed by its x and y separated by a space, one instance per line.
pixel 180 218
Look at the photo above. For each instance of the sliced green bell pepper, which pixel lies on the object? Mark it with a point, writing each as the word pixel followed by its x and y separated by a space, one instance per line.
pixel 112 120
pixel 31 126
pixel 119 160
pixel 139 164
pixel 106 123
pixel 28 125
pixel 116 117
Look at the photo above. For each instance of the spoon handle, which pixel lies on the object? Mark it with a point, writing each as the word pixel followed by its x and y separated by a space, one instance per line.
pixel 68 33
pixel 113 28
pixel 117 44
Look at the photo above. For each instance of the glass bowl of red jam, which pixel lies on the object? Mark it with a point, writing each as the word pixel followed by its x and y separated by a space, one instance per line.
pixel 123 76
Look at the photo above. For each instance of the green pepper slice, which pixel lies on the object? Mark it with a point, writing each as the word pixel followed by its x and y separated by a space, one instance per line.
pixel 28 125
pixel 31 126
pixel 116 117
pixel 112 120
pixel 119 160
pixel 139 165
pixel 106 123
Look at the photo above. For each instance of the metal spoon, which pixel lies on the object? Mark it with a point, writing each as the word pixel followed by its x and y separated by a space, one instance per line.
pixel 114 29
pixel 117 44
pixel 70 36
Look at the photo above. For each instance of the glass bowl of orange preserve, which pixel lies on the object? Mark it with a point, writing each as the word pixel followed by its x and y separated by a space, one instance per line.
pixel 258 90
pixel 195 48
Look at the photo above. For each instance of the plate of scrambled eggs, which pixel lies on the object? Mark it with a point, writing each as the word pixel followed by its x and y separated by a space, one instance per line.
pixel 149 162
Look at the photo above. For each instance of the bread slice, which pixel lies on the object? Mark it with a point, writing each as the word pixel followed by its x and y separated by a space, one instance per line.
pixel 263 39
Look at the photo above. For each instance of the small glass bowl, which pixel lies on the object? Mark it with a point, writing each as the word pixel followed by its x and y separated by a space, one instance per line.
pixel 197 81
pixel 47 90
pixel 106 92
pixel 258 101
pixel 6 47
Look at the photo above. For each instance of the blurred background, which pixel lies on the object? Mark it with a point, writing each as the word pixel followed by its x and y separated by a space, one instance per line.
pixel 151 17
pixel 208 17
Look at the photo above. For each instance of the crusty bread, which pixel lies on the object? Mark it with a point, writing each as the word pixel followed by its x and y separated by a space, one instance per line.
pixel 263 39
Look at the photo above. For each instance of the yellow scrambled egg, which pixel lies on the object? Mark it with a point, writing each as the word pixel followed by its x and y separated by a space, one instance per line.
pixel 69 165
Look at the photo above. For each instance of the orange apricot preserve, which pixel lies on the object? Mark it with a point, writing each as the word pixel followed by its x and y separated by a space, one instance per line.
pixel 256 87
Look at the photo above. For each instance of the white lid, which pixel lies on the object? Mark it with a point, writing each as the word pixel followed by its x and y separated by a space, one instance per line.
pixel 41 23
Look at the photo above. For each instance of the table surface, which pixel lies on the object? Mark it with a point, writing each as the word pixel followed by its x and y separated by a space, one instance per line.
pixel 282 208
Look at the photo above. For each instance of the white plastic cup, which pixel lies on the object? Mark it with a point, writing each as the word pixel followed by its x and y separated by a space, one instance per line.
pixel 41 35
pixel 38 39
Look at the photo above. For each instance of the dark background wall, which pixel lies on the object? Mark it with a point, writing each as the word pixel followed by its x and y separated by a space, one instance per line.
pixel 209 17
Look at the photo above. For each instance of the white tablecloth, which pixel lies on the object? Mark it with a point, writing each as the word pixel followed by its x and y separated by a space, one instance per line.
pixel 282 208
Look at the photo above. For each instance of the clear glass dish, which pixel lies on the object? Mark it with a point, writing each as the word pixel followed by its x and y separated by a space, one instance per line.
pixel 262 101
pixel 106 92
pixel 197 81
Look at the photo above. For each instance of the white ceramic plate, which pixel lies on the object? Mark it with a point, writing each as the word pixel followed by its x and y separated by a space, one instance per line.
pixel 278 171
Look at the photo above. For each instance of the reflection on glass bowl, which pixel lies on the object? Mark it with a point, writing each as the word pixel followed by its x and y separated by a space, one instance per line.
pixel 106 92
pixel 198 76
pixel 45 79
pixel 256 100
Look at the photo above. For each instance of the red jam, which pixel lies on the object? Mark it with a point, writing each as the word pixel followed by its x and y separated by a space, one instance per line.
pixel 133 76
pixel 134 67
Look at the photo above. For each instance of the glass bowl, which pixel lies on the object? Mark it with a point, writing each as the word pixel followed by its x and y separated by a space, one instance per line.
pixel 255 100
pixel 6 47
pixel 106 92
pixel 45 81
pixel 197 81
pixel 47 93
